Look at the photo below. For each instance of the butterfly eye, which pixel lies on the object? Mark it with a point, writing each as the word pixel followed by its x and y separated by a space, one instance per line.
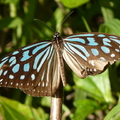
pixel 38 69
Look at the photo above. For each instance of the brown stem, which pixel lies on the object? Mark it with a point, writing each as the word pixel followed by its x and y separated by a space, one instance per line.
pixel 56 104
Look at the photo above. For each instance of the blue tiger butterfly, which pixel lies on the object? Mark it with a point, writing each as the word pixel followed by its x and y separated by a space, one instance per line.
pixel 37 69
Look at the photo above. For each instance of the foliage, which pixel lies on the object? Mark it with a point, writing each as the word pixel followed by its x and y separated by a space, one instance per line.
pixel 91 98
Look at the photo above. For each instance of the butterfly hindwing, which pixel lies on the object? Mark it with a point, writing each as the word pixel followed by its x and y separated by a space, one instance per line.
pixel 90 53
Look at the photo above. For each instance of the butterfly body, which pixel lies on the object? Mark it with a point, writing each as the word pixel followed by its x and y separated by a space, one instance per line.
pixel 37 69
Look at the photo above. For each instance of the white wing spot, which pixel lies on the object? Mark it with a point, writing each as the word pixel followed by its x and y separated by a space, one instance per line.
pixel 1 80
pixel 102 58
pixel 92 63
pixel 11 83
pixel 16 84
pixel 95 70
pixel 27 84
pixel 112 55
pixel 39 84
pixel 6 82
pixel 21 84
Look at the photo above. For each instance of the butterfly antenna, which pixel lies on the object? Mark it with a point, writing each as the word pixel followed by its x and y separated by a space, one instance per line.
pixel 65 19
pixel 45 24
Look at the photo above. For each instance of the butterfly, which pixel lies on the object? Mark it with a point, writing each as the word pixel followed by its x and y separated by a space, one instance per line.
pixel 38 69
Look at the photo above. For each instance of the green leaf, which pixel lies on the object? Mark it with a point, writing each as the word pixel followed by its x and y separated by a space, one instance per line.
pixel 97 86
pixel 10 22
pixel 84 108
pixel 111 27
pixel 10 1
pixel 112 114
pixel 73 3
pixel 13 110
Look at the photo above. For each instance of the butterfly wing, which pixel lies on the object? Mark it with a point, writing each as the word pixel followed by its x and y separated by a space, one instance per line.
pixel 90 53
pixel 31 69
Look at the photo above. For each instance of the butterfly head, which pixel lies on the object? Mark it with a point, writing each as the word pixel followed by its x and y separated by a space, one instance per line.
pixel 56 35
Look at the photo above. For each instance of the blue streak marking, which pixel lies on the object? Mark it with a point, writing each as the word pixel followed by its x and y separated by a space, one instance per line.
pixel 80 35
pixel 2 63
pixel 11 76
pixel 4 58
pixel 105 42
pixel 13 62
pixel 113 37
pixel 26 67
pixel 81 48
pixel 105 49
pixel 33 45
pixel 15 52
pixel 115 40
pixel 92 42
pixel 38 48
pixel 76 40
pixel 67 48
pixel 51 52
pixel 25 56
pixel 101 35
pixel 95 52
pixel 33 77
pixel 22 77
pixel 16 68
pixel 77 52
pixel 12 58
pixel 37 58
pixel 5 72
pixel 43 60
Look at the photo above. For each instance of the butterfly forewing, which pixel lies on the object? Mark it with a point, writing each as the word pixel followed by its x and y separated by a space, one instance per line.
pixel 30 68
pixel 90 53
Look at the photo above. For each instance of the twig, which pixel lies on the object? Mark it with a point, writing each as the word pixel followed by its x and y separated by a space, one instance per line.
pixel 56 104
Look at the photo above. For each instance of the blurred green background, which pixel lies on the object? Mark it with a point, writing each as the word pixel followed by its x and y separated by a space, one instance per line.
pixel 92 98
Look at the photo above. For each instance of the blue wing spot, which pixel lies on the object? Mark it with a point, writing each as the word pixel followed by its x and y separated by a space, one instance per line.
pixel 95 52
pixel 26 67
pixel 105 42
pixel 22 77
pixel 2 63
pixel 11 76
pixel 15 52
pixel 33 77
pixel 25 56
pixel 5 72
pixel 92 42
pixel 101 35
pixel 4 58
pixel 1 71
pixel 117 50
pixel 16 68
pixel 105 49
